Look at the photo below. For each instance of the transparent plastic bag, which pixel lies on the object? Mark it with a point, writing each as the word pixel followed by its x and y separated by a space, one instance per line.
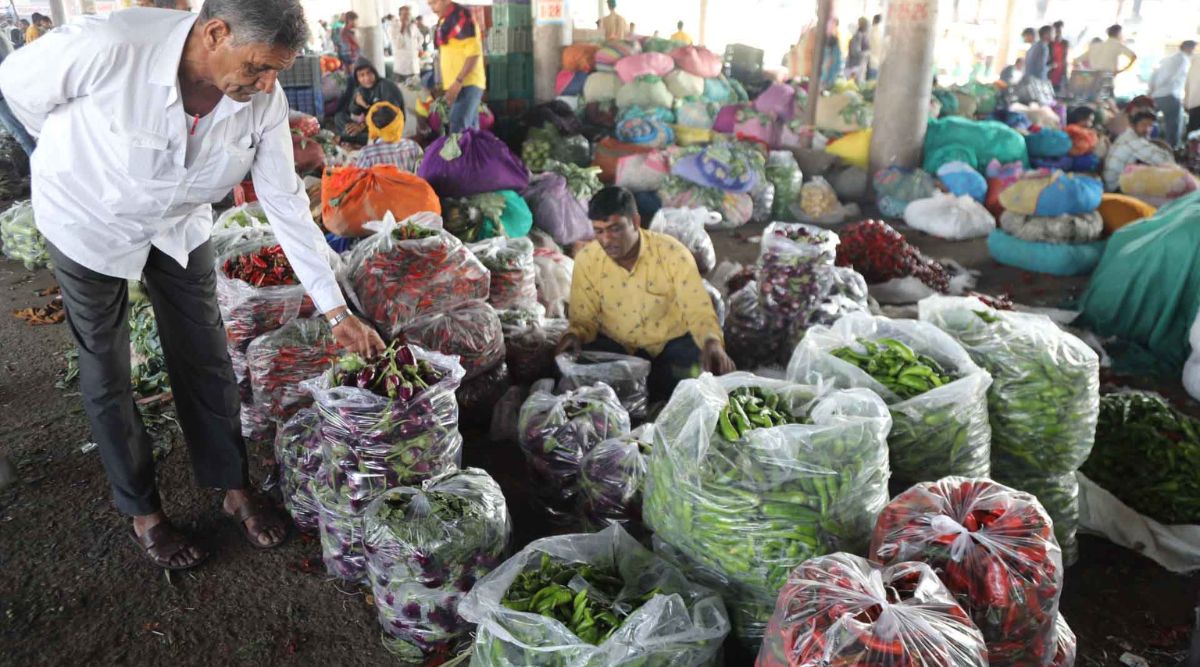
pixel 844 610
pixel 792 268
pixel 341 533
pixel 280 360
pixel 397 280
pixel 752 337
pixel 762 199
pixel 1045 396
pixel 426 547
pixel 531 340
pixel 298 454
pixel 626 375
pixel 740 515
pixel 505 414
pixel 718 301
pixel 941 432
pixel 611 477
pixel 249 311
pixel 1067 645
pixel 949 217
pixel 469 330
pixel 847 293
pixel 994 548
pixel 478 395
pixel 784 173
pixel 20 239
pixel 1059 496
pixel 1079 228
pixel 371 443
pixel 556 431
pixel 510 261
pixel 246 216
pixel 818 198
pixel 553 279
pixel 682 624
pixel 688 227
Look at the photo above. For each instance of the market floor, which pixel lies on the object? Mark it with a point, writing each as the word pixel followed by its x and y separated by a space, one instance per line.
pixel 73 589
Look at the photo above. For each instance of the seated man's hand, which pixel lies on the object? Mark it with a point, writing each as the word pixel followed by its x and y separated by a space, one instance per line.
pixel 569 343
pixel 714 360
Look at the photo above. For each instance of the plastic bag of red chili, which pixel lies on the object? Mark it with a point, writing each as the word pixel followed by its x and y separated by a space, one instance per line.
pixel 280 360
pixel 408 269
pixel 1067 644
pixel 469 330
pixel 257 290
pixel 994 548
pixel 510 262
pixel 841 609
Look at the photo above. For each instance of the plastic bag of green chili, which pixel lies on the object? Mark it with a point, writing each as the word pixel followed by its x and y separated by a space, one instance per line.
pixel 939 427
pixel 739 514
pixel 663 619
pixel 1045 396
pixel 20 238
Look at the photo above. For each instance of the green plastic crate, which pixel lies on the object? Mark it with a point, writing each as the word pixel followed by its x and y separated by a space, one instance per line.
pixel 512 16
pixel 520 75
pixel 497 77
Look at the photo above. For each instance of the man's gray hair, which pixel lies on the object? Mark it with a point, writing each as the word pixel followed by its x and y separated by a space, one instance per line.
pixel 274 22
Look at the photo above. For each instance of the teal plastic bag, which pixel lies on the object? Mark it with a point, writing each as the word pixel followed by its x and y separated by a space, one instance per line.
pixel 1056 259
pixel 516 220
pixel 948 100
pixel 1048 143
pixel 975 142
pixel 1146 290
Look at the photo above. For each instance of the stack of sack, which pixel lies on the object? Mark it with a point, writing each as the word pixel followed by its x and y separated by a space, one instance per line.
pixel 721 178
pixel 1050 224
pixel 1157 185
pixel 1058 149
pixel 974 142
pixel 478 180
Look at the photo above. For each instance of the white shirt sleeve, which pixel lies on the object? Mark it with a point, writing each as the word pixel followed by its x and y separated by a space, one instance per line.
pixel 285 201
pixel 60 66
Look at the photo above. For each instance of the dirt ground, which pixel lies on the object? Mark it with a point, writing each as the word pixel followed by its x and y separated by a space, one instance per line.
pixel 73 590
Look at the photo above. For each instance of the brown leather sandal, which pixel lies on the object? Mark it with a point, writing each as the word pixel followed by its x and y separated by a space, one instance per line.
pixel 267 518
pixel 163 542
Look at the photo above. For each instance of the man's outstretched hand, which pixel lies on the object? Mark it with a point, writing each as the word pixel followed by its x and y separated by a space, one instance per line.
pixel 569 343
pixel 356 336
pixel 714 360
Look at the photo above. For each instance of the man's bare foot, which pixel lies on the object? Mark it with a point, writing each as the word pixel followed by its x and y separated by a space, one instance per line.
pixel 164 544
pixel 261 523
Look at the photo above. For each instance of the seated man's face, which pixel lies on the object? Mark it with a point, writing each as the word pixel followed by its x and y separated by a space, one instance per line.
pixel 1144 128
pixel 617 235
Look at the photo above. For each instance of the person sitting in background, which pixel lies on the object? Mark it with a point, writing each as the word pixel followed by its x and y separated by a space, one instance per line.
pixel 1013 74
pixel 638 292
pixel 386 142
pixel 679 36
pixel 368 88
pixel 1134 147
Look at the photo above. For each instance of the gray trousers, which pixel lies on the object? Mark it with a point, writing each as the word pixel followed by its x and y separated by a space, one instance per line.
pixel 1173 123
pixel 202 380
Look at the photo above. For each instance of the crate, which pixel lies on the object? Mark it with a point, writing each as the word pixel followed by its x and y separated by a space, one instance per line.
pixel 304 73
pixel 520 76
pixel 742 61
pixel 497 77
pixel 309 100
pixel 512 16
pixel 510 40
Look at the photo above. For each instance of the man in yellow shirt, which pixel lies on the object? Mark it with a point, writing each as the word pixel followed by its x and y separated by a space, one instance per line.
pixel 681 36
pixel 639 292
pixel 614 26
pixel 460 52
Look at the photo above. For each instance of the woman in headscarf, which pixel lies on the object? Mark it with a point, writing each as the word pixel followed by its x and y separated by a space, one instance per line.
pixel 367 89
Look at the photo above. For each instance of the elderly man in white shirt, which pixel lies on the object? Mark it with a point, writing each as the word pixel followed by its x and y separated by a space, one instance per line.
pixel 144 118
pixel 1167 87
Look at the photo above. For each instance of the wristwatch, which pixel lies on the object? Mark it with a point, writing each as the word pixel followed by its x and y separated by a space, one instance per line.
pixel 339 318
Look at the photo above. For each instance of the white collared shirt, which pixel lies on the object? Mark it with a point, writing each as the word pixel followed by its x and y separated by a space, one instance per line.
pixel 109 176
pixel 406 47
pixel 1170 79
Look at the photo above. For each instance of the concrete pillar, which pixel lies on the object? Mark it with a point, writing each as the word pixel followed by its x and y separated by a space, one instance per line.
pixel 370 33
pixel 824 13
pixel 550 35
pixel 905 85
pixel 1006 28
pixel 703 22
pixel 58 12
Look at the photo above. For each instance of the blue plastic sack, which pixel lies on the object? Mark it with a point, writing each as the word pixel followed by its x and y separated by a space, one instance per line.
pixel 659 114
pixel 961 179
pixel 1014 119
pixel 1070 194
pixel 1048 143
pixel 1056 259
pixel 645 132
pixel 1082 164
pixel 718 90
pixel 575 87
pixel 472 163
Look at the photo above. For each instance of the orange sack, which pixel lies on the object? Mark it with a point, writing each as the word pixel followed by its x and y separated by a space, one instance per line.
pixel 351 197
pixel 580 57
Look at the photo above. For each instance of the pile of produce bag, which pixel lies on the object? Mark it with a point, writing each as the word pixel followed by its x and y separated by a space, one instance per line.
pixel 1043 403
pixel 407 269
pixel 844 610
pixel 426 547
pixel 385 423
pixel 624 374
pixel 546 143
pixel 961 178
pixel 753 338
pixel 736 208
pixel 793 265
pixel 20 239
pixel 611 477
pixel 555 431
pixel 530 339
pixel 593 599
pixel 974 142
pixel 749 477
pixel 994 549
pixel 1147 454
pixel 469 330
pixel 688 226
pixel 279 361
pixel 298 454
pixel 936 394
pixel 510 263
pixel 479 394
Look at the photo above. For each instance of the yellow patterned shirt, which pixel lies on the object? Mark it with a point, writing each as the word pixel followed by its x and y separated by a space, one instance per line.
pixel 662 299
